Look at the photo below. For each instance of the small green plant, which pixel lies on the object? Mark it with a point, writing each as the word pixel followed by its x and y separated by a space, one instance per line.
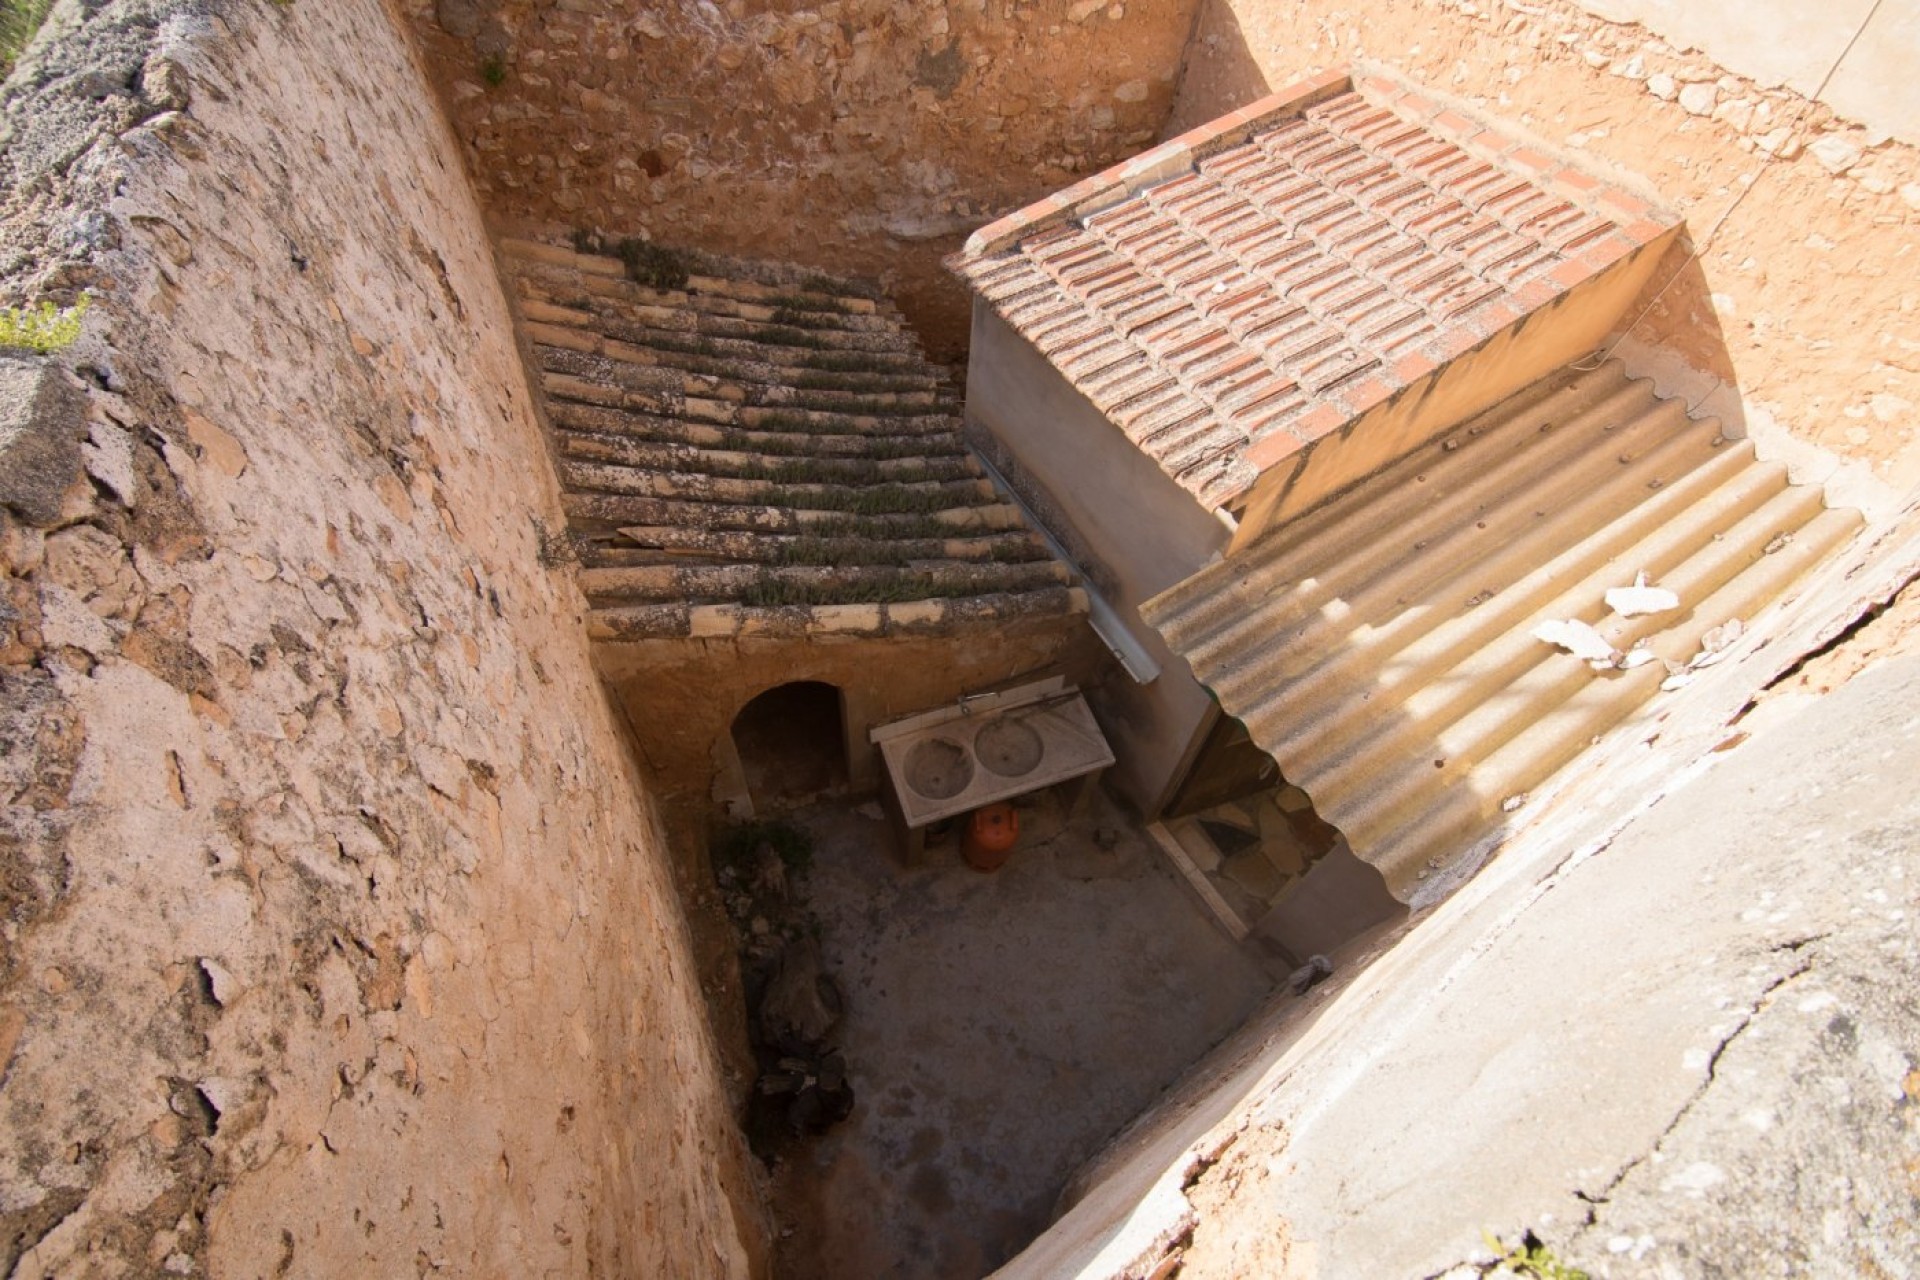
pixel 739 843
pixel 650 265
pixel 44 328
pixel 494 71
pixel 19 20
pixel 647 263
pixel 1529 1257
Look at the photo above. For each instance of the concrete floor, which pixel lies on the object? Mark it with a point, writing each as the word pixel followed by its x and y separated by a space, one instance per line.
pixel 999 1028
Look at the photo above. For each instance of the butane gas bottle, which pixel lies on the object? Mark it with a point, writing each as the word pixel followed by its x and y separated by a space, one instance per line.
pixel 990 837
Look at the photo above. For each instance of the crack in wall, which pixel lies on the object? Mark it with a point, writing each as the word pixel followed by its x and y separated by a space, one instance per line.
pixel 1596 1200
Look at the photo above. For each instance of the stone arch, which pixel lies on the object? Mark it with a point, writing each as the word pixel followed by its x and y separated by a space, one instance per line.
pixel 791 745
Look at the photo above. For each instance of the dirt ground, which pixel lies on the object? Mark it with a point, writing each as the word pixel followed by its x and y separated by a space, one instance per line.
pixel 999 1028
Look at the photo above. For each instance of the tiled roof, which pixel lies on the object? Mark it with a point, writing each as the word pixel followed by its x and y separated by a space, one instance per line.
pixel 749 449
pixel 1380 648
pixel 1241 291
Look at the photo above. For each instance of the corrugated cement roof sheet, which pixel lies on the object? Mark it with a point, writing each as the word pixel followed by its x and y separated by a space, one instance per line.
pixel 1381 647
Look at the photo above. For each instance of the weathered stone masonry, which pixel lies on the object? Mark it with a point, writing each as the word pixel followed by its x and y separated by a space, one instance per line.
pixel 339 938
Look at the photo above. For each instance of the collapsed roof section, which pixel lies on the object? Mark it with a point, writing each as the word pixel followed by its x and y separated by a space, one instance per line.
pixel 748 449
pixel 1255 287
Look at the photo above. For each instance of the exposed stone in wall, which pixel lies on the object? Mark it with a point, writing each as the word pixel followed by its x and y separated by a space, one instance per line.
pixel 1805 300
pixel 863 136
pixel 339 937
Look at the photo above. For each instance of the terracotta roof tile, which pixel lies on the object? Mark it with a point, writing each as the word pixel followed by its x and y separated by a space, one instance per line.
pixel 1317 252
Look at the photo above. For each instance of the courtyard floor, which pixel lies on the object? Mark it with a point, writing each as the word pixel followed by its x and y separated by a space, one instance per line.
pixel 999 1028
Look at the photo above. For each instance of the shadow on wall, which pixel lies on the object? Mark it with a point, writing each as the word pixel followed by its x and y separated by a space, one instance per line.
pixel 1678 342
pixel 1219 73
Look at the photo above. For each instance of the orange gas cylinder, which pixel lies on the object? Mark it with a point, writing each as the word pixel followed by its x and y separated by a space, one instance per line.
pixel 991 834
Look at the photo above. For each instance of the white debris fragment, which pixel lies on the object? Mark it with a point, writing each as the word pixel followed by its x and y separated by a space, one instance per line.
pixel 1579 639
pixel 1714 644
pixel 1638 656
pixel 1513 803
pixel 1638 599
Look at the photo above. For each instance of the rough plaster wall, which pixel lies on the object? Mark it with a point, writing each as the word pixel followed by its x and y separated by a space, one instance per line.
pixel 865 136
pixel 1801 315
pixel 1789 42
pixel 339 938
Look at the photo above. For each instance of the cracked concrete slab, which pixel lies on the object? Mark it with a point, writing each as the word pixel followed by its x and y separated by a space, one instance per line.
pixel 1691 1054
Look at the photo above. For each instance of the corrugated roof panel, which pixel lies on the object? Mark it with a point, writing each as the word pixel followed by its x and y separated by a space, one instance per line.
pixel 1381 646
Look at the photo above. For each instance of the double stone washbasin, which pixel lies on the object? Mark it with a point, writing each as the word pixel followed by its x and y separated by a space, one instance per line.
pixel 940 768
pixel 990 748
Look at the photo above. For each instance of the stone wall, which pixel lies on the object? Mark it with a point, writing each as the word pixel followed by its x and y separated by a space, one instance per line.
pixel 1800 316
pixel 861 136
pixel 1784 42
pixel 339 937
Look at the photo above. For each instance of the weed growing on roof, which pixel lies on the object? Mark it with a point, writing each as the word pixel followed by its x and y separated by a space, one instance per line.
pixel 856 362
pixel 45 328
pixel 1529 1258
pixel 904 528
pixel 19 20
pixel 774 592
pixel 810 302
pixel 875 449
pixel 780 420
pixel 1024 551
pixel 875 500
pixel 807 470
pixel 823 284
pixel 788 336
pixel 897 551
pixel 849 551
pixel 882 384
pixel 648 264
pixel 825 401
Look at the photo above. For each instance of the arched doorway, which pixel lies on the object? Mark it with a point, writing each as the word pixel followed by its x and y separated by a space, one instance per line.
pixel 791 741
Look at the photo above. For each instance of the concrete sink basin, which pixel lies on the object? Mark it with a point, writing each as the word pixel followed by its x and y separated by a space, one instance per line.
pixel 938 768
pixel 1010 748
pixel 988 748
